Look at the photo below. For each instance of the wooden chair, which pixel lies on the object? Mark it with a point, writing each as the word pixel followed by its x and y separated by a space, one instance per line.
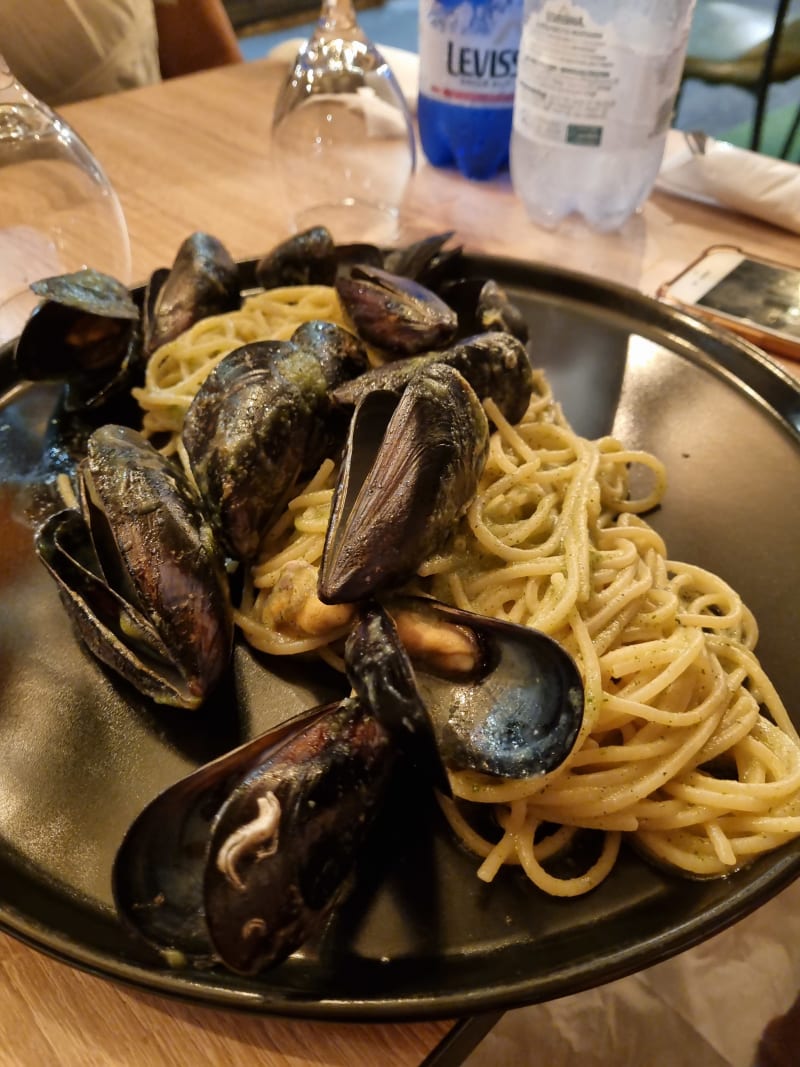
pixel 745 46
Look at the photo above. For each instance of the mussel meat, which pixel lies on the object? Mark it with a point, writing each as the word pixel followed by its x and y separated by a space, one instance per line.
pixel 410 469
pixel 139 570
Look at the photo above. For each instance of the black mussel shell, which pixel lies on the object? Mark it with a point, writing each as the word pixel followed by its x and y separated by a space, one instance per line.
pixel 340 354
pixel 426 261
pixel 504 700
pixel 410 469
pixel 246 433
pixel 496 365
pixel 307 258
pixel 157 877
pixel 395 313
pixel 482 304
pixel 140 572
pixel 285 841
pixel 380 673
pixel 203 281
pixel 259 420
pixel 85 332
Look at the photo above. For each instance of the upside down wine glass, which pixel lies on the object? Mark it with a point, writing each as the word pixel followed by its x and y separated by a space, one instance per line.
pixel 58 211
pixel 342 135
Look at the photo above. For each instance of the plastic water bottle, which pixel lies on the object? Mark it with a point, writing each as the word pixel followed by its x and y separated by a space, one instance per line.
pixel 468 66
pixel 595 93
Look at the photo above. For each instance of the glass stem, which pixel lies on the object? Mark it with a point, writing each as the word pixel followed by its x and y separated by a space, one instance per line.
pixel 337 17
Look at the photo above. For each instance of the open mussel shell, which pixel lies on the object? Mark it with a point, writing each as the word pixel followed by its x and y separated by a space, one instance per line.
pixel 410 470
pixel 504 700
pixel 395 313
pixel 140 572
pixel 203 281
pixel 483 305
pixel 495 364
pixel 86 333
pixel 243 860
pixel 157 877
pixel 285 842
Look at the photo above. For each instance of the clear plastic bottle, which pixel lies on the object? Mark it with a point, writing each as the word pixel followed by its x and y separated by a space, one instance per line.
pixel 595 91
pixel 468 66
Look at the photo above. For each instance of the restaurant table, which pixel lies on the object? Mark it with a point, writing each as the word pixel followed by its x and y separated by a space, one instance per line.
pixel 194 154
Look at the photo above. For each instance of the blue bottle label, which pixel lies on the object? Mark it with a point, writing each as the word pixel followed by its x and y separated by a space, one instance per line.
pixel 468 51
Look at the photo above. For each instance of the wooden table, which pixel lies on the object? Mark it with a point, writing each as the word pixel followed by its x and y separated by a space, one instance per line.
pixel 192 154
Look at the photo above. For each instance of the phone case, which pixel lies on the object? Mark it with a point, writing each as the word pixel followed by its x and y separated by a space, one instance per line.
pixel 777 344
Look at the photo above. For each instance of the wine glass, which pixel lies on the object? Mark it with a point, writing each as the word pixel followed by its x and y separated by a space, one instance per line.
pixel 58 211
pixel 342 135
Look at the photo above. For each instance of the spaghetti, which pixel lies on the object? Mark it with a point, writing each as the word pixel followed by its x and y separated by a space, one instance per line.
pixel 685 746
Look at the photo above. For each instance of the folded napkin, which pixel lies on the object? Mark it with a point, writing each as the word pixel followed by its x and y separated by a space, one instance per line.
pixel 404 65
pixel 727 176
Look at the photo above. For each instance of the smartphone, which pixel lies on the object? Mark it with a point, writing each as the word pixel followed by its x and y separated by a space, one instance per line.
pixel 756 298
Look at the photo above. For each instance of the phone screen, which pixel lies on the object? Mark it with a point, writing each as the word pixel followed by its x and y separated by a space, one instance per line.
pixel 766 295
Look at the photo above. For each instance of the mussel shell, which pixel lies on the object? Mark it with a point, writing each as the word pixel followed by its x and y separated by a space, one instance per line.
pixel 395 313
pixel 409 471
pixel 517 714
pixel 157 877
pixel 482 304
pixel 85 332
pixel 203 281
pixel 328 783
pixel 340 354
pixel 381 675
pixel 140 571
pixel 258 421
pixel 496 365
pixel 470 693
pixel 426 261
pixel 306 258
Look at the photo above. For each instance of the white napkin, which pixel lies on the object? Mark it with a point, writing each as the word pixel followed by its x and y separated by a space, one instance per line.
pixel 404 65
pixel 727 176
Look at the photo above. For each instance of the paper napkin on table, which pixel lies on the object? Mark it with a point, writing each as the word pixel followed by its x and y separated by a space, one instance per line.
pixel 404 65
pixel 727 176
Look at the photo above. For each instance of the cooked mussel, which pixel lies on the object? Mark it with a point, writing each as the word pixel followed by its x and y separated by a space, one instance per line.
pixel 426 261
pixel 498 698
pixel 312 257
pixel 243 860
pixel 84 332
pixel 306 258
pixel 482 304
pixel 395 313
pixel 496 365
pixel 139 570
pixel 203 280
pixel 259 420
pixel 410 469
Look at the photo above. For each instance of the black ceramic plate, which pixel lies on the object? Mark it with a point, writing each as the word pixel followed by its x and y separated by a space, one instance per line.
pixel 419 935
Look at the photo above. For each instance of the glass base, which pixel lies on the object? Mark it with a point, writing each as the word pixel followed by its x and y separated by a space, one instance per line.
pixel 351 221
